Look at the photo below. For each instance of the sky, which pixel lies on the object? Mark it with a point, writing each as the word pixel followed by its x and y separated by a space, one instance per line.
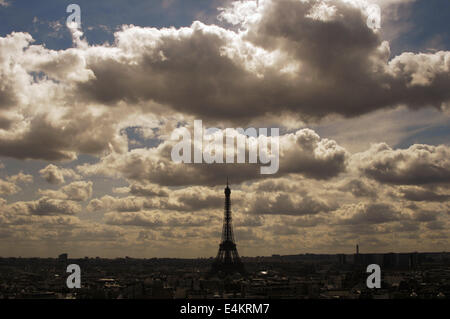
pixel 87 115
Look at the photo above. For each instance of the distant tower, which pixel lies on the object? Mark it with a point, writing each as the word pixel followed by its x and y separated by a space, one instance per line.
pixel 357 257
pixel 227 260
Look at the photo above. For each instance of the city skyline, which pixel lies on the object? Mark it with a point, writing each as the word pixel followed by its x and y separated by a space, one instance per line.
pixel 87 115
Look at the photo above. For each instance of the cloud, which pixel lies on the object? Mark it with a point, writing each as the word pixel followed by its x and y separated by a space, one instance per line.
pixel 8 188
pixel 302 152
pixel 368 214
pixel 188 199
pixel 39 117
pixel 425 216
pixel 359 188
pixel 249 221
pixel 417 165
pixel 280 59
pixel 287 204
pixel 56 175
pixel 123 204
pixel 436 226
pixel 272 43
pixel 306 153
pixel 307 221
pixel 194 199
pixel 147 190
pixel 95 233
pixel 385 3
pixel 21 178
pixel 61 139
pixel 11 217
pixel 419 194
pixel 154 219
pixel 76 191
pixel 47 206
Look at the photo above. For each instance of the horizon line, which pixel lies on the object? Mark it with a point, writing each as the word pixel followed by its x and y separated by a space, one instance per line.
pixel 212 257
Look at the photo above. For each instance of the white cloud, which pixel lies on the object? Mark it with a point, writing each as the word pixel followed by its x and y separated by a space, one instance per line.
pixel 8 188
pixel 75 191
pixel 56 175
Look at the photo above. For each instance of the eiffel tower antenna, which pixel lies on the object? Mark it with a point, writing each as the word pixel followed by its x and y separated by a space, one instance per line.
pixel 227 260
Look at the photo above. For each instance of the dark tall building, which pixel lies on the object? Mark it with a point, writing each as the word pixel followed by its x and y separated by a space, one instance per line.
pixel 227 260
pixel 357 257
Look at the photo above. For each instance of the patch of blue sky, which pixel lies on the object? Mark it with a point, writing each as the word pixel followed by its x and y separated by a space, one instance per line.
pixel 434 135
pixel 43 19
pixel 429 27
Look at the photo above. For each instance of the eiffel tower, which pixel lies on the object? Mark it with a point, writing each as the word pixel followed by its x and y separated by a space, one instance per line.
pixel 227 260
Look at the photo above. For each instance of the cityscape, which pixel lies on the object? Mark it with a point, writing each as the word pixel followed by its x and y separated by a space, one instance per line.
pixel 404 276
pixel 228 276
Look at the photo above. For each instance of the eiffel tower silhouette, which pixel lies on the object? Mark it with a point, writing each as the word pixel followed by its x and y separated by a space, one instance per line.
pixel 227 260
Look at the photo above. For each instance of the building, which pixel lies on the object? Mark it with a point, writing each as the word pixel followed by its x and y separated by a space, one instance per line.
pixel 227 261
